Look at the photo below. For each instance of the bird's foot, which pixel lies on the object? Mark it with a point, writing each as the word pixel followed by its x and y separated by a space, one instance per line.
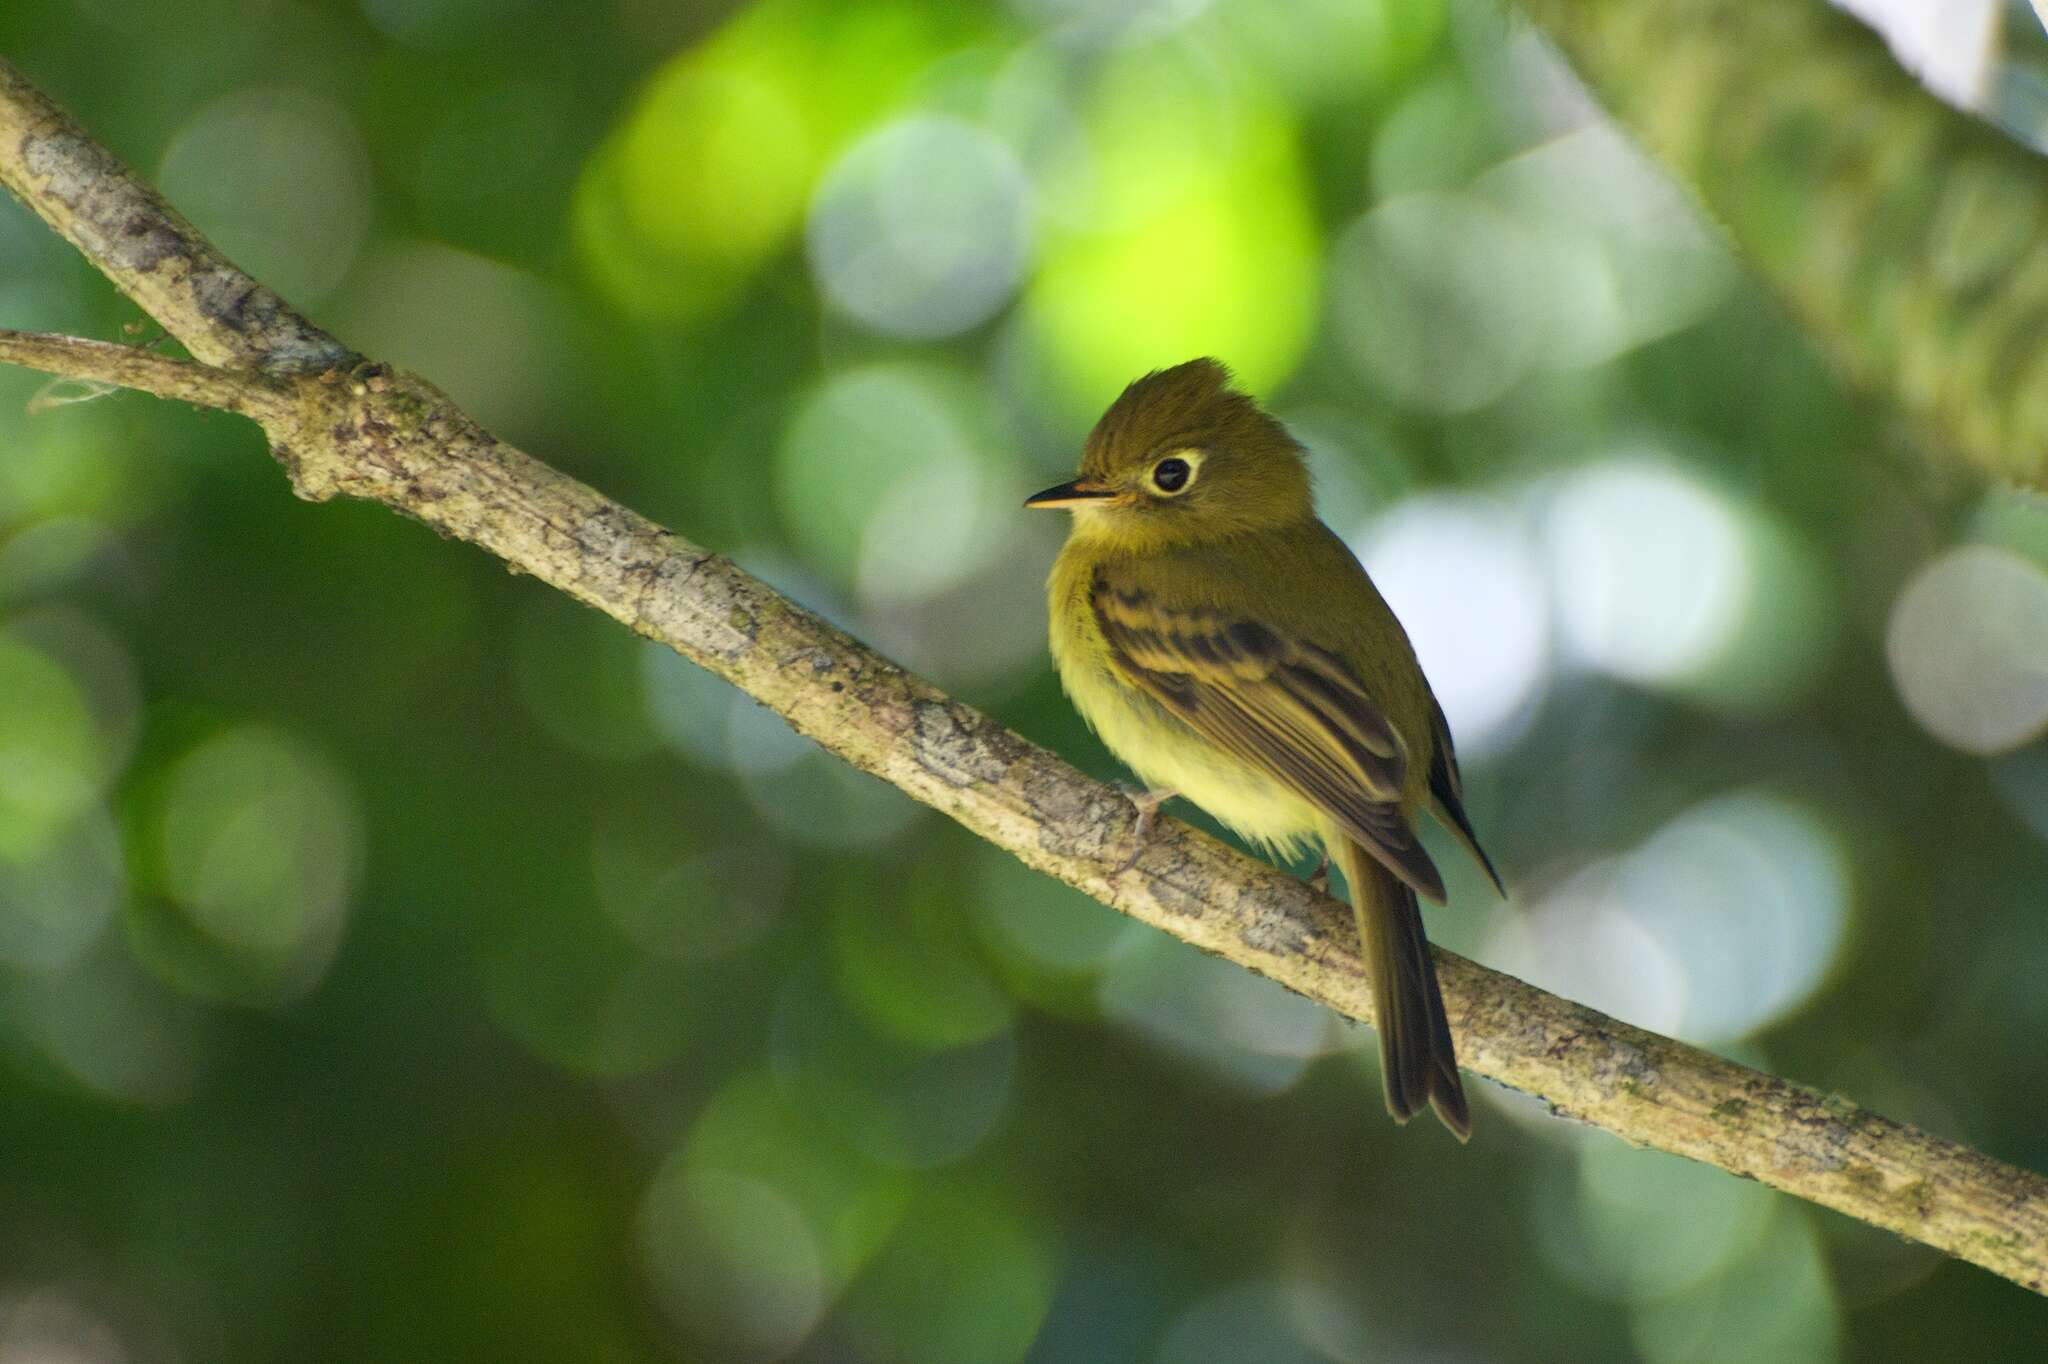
pixel 1319 880
pixel 1147 804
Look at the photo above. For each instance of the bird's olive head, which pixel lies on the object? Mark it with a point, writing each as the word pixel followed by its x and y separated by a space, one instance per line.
pixel 1182 457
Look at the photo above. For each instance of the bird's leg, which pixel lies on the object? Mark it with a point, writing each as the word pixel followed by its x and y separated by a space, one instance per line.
pixel 1147 804
pixel 1319 879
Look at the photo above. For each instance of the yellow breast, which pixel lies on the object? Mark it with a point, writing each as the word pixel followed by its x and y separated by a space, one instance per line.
pixel 1159 749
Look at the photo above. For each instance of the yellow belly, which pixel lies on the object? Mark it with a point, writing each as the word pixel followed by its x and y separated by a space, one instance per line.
pixel 1163 752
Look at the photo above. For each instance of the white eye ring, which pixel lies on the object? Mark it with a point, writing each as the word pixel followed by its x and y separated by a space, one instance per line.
pixel 1174 473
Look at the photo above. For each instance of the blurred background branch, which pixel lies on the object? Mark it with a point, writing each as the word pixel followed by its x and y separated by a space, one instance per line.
pixel 1905 235
pixel 368 432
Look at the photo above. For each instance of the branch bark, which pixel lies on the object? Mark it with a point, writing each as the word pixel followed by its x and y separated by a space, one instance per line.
pixel 103 362
pixel 1908 238
pixel 362 430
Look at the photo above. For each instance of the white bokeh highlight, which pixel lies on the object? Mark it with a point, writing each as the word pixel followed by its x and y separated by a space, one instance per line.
pixel 923 228
pixel 888 485
pixel 1469 588
pixel 1652 569
pixel 1723 921
pixel 1968 648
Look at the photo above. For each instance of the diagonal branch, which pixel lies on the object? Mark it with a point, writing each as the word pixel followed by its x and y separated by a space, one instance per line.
pixel 390 437
pixel 143 245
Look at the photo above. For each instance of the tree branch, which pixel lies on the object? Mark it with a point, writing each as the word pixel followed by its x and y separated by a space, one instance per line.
pixel 143 245
pixel 375 433
pixel 103 362
pixel 1910 239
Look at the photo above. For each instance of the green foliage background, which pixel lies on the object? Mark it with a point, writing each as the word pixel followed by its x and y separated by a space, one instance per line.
pixel 397 962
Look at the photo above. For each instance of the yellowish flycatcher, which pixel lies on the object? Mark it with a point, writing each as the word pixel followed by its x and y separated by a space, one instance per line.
pixel 1228 648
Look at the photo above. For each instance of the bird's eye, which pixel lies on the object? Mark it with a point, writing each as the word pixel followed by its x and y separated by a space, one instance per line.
pixel 1171 474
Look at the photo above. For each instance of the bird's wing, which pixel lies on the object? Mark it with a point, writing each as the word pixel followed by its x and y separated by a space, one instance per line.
pixel 1284 706
pixel 1447 792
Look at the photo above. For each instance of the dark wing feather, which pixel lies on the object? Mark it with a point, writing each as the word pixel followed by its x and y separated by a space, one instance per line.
pixel 1283 706
pixel 1447 787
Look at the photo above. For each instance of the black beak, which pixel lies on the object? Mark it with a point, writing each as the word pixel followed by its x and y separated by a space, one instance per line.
pixel 1079 493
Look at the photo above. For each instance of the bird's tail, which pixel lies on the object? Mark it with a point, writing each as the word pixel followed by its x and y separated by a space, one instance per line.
pixel 1417 1058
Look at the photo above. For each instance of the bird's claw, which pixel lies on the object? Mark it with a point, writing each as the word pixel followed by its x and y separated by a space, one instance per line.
pixel 1319 880
pixel 1147 804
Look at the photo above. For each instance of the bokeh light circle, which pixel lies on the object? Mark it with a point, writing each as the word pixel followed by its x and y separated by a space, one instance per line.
pixel 1608 1228
pixel 922 228
pixel 1431 299
pixel 1750 893
pixel 1723 921
pixel 883 480
pixel 260 844
pixel 1652 569
pixel 733 1261
pixel 55 901
pixel 113 1031
pixel 279 179
pixel 1186 230
pixel 1968 647
pixel 491 335
pixel 1469 589
pixel 50 752
pixel 1579 942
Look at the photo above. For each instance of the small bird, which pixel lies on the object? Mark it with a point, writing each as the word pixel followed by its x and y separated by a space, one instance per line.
pixel 1228 648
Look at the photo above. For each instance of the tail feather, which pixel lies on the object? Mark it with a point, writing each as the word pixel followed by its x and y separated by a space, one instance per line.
pixel 1417 1057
